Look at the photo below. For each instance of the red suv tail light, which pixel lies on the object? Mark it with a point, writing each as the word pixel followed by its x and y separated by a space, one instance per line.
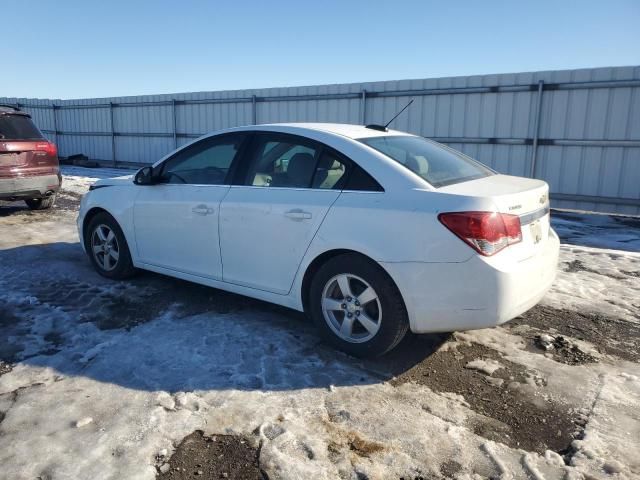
pixel 486 232
pixel 48 148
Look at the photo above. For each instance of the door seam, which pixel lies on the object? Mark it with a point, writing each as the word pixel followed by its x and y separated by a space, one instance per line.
pixel 309 245
pixel 219 233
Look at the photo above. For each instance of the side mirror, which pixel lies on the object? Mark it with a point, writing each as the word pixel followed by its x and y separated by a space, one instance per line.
pixel 144 176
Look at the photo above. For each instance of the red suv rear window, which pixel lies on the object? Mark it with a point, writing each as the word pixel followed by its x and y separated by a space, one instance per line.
pixel 18 127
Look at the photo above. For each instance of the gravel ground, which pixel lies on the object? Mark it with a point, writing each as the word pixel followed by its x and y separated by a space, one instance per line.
pixel 211 458
pixel 508 413
pixel 505 387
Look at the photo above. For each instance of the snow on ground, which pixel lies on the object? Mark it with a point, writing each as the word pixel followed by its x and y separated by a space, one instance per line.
pixel 105 375
pixel 602 280
pixel 78 179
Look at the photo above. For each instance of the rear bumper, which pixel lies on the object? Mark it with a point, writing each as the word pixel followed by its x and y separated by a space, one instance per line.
pixel 28 187
pixel 478 293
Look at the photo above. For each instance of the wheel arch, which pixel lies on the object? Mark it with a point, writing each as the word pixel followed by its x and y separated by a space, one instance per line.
pixel 322 258
pixel 90 215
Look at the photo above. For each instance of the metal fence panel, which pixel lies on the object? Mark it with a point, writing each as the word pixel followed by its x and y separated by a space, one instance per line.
pixel 578 129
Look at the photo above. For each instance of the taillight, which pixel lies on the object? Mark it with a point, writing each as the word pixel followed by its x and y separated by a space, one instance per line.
pixel 485 232
pixel 48 148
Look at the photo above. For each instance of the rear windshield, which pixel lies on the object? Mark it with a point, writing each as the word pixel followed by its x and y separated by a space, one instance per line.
pixel 435 163
pixel 18 127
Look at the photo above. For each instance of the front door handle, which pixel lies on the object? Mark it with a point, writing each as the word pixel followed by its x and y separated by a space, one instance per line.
pixel 298 214
pixel 202 210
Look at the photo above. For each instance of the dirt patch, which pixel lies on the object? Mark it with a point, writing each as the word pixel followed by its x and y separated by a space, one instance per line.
pixel 362 447
pixel 4 368
pixel 562 350
pixel 347 441
pixel 64 201
pixel 68 201
pixel 215 457
pixel 450 468
pixel 635 273
pixel 609 335
pixel 514 414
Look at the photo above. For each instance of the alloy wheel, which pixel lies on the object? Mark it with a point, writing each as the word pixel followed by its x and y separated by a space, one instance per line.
pixel 105 248
pixel 351 308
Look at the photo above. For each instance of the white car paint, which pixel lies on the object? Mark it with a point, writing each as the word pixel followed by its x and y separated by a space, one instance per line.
pixel 265 232
pixel 260 241
pixel 188 212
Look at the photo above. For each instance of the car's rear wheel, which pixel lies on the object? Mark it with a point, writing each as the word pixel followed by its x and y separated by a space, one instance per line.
pixel 357 306
pixel 41 203
pixel 107 248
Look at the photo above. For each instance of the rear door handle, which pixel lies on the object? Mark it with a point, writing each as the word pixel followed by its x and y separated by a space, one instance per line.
pixel 202 210
pixel 298 214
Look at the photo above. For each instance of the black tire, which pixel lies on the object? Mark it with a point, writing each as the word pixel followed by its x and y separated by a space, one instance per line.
pixel 124 265
pixel 394 321
pixel 41 203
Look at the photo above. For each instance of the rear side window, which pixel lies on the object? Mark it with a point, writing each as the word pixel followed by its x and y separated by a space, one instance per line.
pixel 18 127
pixel 359 180
pixel 435 163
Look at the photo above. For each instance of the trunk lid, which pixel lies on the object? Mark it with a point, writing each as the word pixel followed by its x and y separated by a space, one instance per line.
pixel 525 197
pixel 25 157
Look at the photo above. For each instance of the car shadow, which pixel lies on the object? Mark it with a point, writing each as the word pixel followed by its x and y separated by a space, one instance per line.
pixel 10 208
pixel 158 333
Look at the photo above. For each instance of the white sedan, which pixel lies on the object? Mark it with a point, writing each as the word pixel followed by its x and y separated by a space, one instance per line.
pixel 371 232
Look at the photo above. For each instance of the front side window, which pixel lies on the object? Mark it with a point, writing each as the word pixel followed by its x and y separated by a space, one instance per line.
pixel 289 162
pixel 435 163
pixel 206 163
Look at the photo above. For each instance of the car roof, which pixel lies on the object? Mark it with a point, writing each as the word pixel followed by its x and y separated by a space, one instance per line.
pixel 11 110
pixel 343 129
pixel 342 137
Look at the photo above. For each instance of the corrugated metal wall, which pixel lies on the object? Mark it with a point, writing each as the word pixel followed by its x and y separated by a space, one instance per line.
pixel 583 125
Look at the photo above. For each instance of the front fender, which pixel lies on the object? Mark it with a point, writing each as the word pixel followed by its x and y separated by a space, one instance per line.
pixel 118 201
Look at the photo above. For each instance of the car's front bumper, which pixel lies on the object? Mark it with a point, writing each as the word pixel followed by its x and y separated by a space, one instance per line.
pixel 35 186
pixel 445 297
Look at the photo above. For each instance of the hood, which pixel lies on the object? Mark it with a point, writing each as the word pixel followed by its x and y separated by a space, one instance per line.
pixel 124 180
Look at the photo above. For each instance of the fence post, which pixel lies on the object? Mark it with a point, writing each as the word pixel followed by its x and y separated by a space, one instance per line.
pixel 254 110
pixel 363 106
pixel 113 136
pixel 536 127
pixel 173 115
pixel 55 125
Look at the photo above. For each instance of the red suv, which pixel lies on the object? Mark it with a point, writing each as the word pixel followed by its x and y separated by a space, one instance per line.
pixel 29 168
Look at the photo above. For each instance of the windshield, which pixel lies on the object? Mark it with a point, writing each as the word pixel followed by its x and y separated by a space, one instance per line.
pixel 435 163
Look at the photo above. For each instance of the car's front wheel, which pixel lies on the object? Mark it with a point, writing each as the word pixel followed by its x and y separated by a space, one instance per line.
pixel 107 248
pixel 357 307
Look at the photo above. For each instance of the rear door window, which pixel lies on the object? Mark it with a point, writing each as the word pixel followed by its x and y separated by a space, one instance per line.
pixel 330 172
pixel 18 127
pixel 282 161
pixel 437 164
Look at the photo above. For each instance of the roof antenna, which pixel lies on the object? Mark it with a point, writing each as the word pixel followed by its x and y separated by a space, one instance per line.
pixel 383 128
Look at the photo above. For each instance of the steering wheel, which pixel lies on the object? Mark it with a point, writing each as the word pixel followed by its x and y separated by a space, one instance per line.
pixel 173 174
